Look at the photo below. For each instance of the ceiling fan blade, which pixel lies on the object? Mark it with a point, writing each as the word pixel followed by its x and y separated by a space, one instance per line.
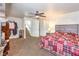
pixel 37 12
pixel 29 16
pixel 42 16
pixel 41 13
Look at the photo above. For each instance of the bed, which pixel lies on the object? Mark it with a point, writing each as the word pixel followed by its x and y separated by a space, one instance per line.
pixel 63 42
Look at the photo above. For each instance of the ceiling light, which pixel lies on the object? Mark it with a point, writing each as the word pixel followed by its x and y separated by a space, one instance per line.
pixel 37 16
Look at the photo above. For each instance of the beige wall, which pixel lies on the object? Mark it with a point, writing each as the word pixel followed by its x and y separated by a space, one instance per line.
pixel 70 18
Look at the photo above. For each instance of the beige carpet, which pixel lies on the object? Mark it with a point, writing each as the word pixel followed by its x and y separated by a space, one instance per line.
pixel 26 47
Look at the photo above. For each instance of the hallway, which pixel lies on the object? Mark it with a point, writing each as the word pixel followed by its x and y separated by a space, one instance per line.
pixel 26 47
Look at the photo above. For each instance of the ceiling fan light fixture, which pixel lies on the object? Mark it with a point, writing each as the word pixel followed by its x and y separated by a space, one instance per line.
pixel 37 16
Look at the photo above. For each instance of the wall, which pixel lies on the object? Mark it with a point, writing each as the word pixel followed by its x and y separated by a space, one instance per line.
pixel 69 18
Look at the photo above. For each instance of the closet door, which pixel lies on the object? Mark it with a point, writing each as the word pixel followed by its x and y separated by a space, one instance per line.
pixel 42 28
pixel 35 28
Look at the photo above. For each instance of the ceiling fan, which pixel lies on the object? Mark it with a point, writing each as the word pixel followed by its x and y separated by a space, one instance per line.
pixel 36 14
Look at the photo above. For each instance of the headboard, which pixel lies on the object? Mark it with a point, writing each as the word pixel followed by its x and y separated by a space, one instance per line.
pixel 73 28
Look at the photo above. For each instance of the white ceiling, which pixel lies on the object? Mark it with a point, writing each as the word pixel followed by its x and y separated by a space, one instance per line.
pixel 18 9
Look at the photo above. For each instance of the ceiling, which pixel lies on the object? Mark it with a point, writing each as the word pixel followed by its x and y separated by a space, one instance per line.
pixel 18 9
